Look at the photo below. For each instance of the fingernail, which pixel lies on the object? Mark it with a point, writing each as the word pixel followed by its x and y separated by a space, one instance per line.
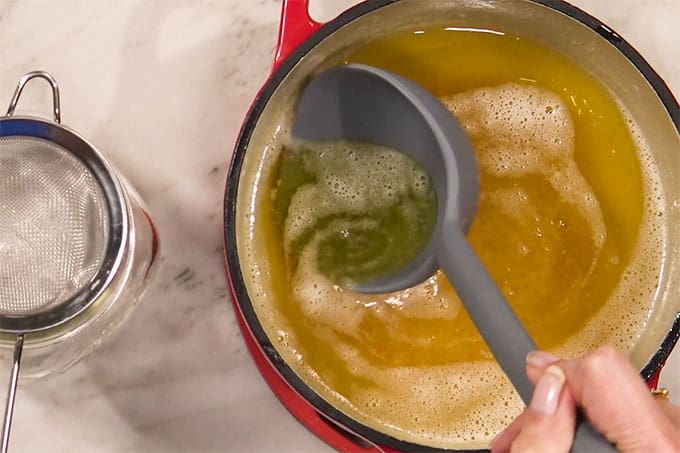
pixel 547 391
pixel 541 359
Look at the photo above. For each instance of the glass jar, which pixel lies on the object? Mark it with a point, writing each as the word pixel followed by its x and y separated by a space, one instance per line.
pixel 61 336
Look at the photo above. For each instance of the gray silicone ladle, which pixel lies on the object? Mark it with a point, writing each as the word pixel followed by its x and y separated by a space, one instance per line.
pixel 364 103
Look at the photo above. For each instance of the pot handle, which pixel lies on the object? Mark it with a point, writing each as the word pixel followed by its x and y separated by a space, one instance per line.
pixel 295 27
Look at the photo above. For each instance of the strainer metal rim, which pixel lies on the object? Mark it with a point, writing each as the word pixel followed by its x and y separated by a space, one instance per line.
pixel 79 147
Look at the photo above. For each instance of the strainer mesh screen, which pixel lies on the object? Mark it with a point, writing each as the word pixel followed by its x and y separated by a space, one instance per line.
pixel 54 225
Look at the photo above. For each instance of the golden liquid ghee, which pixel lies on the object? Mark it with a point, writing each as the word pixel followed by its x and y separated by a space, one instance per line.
pixel 564 225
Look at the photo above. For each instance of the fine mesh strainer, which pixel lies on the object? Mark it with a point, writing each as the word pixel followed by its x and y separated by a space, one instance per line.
pixel 63 227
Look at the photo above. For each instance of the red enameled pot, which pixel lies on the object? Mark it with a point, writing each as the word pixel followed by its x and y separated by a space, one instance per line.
pixel 304 44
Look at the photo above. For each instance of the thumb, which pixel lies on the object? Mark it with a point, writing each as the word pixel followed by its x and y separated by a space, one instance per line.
pixel 618 403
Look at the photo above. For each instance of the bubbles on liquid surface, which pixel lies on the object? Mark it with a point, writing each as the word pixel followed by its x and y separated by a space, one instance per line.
pixel 468 402
pixel 520 130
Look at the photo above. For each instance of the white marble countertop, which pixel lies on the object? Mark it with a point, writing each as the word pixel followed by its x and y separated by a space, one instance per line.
pixel 161 87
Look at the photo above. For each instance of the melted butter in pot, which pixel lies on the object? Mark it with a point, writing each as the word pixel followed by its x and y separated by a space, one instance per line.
pixel 576 251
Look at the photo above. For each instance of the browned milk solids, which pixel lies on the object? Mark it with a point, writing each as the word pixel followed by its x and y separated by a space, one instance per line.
pixel 575 250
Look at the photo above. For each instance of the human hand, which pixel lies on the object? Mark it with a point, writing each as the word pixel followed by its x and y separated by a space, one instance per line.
pixel 610 392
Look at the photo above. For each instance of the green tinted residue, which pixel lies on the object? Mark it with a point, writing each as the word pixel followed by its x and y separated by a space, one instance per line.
pixel 365 210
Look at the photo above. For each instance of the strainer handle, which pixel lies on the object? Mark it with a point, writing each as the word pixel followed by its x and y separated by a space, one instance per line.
pixel 20 87
pixel 11 393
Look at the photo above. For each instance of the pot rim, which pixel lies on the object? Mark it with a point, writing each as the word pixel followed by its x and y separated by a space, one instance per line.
pixel 240 297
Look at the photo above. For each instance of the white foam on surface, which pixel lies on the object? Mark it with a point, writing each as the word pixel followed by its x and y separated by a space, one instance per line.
pixel 457 405
pixel 521 130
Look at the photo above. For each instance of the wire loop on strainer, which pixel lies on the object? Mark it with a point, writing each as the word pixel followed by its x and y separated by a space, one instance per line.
pixel 20 88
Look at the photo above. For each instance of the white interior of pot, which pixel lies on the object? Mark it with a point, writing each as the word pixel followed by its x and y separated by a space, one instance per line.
pixel 523 18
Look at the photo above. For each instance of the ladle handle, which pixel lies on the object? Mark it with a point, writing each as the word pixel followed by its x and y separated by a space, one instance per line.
pixel 498 324
pixel 11 392
pixel 500 327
